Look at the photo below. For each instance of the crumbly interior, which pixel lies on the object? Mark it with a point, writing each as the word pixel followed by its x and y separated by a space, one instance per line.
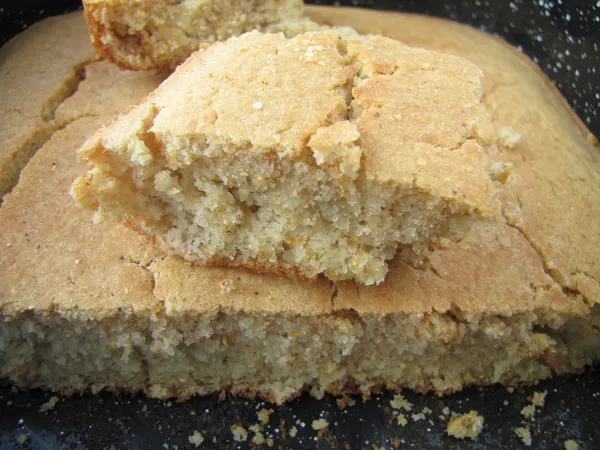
pixel 265 195
pixel 278 356
pixel 255 206
pixel 151 34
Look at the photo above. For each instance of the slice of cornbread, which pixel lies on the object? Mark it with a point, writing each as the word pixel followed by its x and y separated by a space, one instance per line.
pixel 302 156
pixel 90 307
pixel 150 34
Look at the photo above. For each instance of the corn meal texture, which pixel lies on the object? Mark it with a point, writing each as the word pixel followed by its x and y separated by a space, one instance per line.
pixel 90 307
pixel 27 116
pixel 150 34
pixel 306 156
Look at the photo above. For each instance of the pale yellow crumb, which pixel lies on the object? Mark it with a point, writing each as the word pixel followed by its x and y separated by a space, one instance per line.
pixel 240 434
pixel 263 415
pixel 49 405
pixel 417 417
pixel 528 411
pixel 539 398
pixel 525 435
pixel 319 424
pixel 508 137
pixel 196 439
pixel 402 420
pixel 464 426
pixel 399 402
pixel 570 444
pixel 258 437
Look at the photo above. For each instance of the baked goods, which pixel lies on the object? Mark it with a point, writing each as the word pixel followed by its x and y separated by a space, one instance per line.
pixel 27 118
pixel 149 34
pixel 301 156
pixel 88 306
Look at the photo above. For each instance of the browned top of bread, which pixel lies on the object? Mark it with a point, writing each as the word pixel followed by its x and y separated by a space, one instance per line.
pixel 541 259
pixel 38 69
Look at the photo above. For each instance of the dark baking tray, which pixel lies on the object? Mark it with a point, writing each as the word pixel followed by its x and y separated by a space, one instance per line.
pixel 563 37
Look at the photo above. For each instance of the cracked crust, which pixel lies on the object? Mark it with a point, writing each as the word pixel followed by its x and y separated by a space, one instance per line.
pixel 27 115
pixel 541 196
pixel 487 299
pixel 366 120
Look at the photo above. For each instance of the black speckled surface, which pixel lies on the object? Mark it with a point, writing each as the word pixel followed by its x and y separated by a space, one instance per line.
pixel 563 38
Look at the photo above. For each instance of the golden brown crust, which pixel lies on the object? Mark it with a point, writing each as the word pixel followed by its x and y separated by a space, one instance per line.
pixel 540 198
pixel 275 269
pixel 27 114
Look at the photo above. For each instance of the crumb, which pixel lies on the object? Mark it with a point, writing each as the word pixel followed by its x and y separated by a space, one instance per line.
pixel 195 439
pixel 539 398
pixel 505 402
pixel 446 411
pixel 49 405
pixel 508 138
pixel 399 402
pixel 395 442
pixel 402 420
pixel 270 442
pixel 293 431
pixel 319 424
pixel 426 411
pixel 592 139
pixel 571 445
pixel 263 415
pixel 499 171
pixel 258 437
pixel 510 390
pixel 465 426
pixel 165 445
pixel 528 411
pixel 21 438
pixel 240 434
pixel 417 417
pixel 344 402
pixel 525 435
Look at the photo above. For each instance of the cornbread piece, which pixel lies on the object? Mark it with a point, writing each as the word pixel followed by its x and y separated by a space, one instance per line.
pixel 53 52
pixel 150 34
pixel 305 156
pixel 87 307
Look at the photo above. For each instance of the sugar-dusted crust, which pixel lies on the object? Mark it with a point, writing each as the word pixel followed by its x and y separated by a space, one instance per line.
pixel 89 306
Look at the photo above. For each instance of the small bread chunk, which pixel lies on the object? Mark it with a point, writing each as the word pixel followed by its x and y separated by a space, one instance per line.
pixel 151 34
pixel 300 156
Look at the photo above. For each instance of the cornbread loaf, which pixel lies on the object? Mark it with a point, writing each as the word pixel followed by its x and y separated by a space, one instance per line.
pixel 302 156
pixel 90 307
pixel 150 34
